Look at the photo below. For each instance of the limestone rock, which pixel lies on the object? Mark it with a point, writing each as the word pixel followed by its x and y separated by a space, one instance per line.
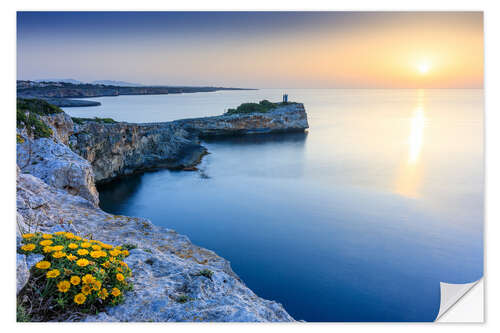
pixel 57 165
pixel 164 264
pixel 121 149
pixel 287 118
pixel 61 125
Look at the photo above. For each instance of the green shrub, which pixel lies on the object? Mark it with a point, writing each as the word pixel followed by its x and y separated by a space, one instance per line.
pixel 261 107
pixel 38 106
pixel 80 121
pixel 33 124
pixel 206 273
pixel 76 275
pixel 184 299
pixel 21 314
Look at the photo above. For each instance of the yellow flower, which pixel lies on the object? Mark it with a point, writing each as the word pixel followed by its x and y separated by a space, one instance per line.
pixel 125 253
pixel 107 246
pixel 46 242
pixel 119 269
pixel 112 259
pixel 28 247
pixel 58 254
pixel 78 238
pixel 47 249
pixel 43 265
pixel 73 246
pixel 57 248
pixel 60 233
pixel 116 292
pixel 75 280
pixel 120 277
pixel 53 274
pixel 103 293
pixel 106 264
pixel 86 289
pixel 82 252
pixel 103 254
pixel 27 236
pixel 95 254
pixel 82 262
pixel 47 236
pixel 63 286
pixel 85 244
pixel 88 278
pixel 69 235
pixel 79 298
pixel 123 263
pixel 114 253
pixel 71 257
pixel 96 285
pixel 96 247
pixel 118 247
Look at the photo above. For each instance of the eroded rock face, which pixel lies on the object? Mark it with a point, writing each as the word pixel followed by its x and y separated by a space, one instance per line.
pixel 57 165
pixel 289 118
pixel 122 149
pixel 164 264
pixel 61 125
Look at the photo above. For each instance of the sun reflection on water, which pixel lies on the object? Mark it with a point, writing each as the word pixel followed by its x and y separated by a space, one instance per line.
pixel 416 138
pixel 410 174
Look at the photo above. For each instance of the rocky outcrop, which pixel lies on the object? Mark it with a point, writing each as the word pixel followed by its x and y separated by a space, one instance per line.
pixel 55 164
pixel 121 149
pixel 51 160
pixel 61 125
pixel 287 118
pixel 165 265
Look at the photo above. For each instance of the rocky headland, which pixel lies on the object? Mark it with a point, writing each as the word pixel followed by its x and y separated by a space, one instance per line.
pixel 58 163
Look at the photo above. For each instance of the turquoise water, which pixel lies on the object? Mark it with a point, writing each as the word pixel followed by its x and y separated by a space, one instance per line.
pixel 358 219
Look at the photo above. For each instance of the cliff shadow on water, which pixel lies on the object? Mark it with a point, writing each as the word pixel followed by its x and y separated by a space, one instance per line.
pixel 116 194
pixel 298 138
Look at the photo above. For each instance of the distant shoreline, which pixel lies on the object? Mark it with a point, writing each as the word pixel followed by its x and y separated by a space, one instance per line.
pixel 62 93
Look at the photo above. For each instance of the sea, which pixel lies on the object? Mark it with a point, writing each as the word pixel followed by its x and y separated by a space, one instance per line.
pixel 358 219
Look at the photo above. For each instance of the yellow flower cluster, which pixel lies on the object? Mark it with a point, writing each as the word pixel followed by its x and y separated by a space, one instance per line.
pixel 81 271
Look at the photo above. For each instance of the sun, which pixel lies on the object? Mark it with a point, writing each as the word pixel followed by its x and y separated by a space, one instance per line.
pixel 423 68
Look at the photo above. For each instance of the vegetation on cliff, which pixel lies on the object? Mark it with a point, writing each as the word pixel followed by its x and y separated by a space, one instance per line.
pixel 28 116
pixel 75 276
pixel 261 107
pixel 80 121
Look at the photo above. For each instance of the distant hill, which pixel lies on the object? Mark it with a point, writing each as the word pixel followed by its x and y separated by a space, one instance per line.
pixel 59 80
pixel 117 83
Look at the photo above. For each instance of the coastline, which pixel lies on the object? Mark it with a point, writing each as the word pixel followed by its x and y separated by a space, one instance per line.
pixel 56 191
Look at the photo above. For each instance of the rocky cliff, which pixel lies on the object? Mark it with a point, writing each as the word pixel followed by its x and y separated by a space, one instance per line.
pixel 56 192
pixel 51 160
pixel 165 265
pixel 122 149
pixel 286 118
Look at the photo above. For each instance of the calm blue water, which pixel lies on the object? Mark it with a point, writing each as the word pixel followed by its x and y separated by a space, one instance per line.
pixel 359 219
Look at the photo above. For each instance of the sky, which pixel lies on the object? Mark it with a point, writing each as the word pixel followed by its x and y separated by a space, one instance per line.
pixel 255 49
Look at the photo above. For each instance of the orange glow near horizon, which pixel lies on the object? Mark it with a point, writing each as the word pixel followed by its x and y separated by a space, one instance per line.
pixel 336 50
